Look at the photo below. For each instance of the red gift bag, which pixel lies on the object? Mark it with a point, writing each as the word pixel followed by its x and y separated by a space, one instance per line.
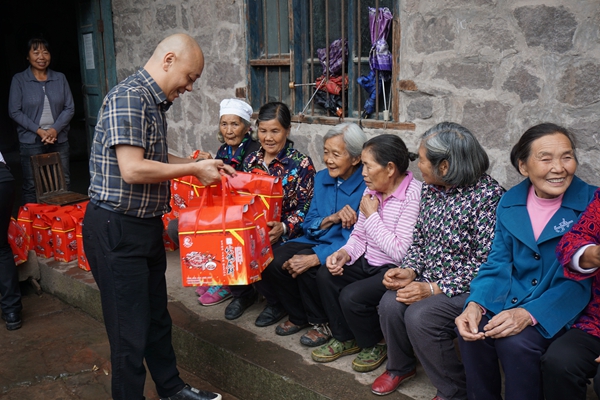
pixel 223 244
pixel 42 235
pixel 64 241
pixel 27 214
pixel 19 241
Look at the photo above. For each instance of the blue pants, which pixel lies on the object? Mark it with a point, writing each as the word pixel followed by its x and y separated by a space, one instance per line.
pixel 520 356
pixel 9 279
pixel 28 150
pixel 128 261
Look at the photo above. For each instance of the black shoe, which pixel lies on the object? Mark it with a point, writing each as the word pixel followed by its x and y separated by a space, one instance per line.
pixel 13 320
pixel 190 393
pixel 270 315
pixel 236 308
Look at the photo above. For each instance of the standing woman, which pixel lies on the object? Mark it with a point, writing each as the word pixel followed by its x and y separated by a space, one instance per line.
pixel 277 157
pixel 10 302
pixel 41 104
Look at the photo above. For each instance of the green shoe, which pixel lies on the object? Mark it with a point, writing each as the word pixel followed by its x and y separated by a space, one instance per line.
pixel 370 358
pixel 334 349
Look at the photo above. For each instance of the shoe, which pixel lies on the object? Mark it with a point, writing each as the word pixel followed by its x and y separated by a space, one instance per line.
pixel 215 295
pixel 190 393
pixel 270 315
pixel 200 290
pixel 317 336
pixel 389 382
pixel 334 349
pixel 288 328
pixel 236 308
pixel 13 320
pixel 437 398
pixel 370 358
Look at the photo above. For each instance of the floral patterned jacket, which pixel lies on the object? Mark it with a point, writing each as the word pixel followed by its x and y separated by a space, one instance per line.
pixel 297 173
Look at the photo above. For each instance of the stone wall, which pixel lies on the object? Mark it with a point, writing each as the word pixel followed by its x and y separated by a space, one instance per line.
pixel 496 66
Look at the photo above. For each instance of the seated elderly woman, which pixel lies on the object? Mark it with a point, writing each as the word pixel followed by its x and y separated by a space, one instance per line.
pixel 351 285
pixel 277 157
pixel 520 300
pixel 327 226
pixel 452 238
pixel 573 359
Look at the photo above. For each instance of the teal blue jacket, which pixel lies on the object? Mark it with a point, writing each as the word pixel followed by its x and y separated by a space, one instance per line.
pixel 328 199
pixel 523 272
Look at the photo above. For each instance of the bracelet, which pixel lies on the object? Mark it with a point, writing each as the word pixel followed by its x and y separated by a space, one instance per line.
pixel 431 287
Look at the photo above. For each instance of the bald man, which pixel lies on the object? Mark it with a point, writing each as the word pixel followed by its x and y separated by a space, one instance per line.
pixel 129 192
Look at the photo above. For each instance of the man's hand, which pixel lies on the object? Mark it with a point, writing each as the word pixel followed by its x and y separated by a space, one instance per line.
pixel 369 204
pixel 397 278
pixel 210 171
pixel 335 262
pixel 413 292
pixel 467 323
pixel 300 263
pixel 507 323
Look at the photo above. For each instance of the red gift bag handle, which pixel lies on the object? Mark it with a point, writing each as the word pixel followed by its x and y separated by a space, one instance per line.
pixel 226 195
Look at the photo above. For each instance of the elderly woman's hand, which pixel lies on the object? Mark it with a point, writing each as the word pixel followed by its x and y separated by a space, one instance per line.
pixel 300 263
pixel 276 231
pixel 507 323
pixel 335 262
pixel 347 216
pixel 369 204
pixel 467 323
pixel 397 278
pixel 416 291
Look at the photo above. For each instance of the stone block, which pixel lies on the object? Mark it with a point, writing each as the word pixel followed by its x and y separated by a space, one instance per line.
pixel 580 84
pixel 407 85
pixel 521 82
pixel 420 108
pixel 472 76
pixel 487 120
pixel 166 17
pixel 550 27
pixel 433 34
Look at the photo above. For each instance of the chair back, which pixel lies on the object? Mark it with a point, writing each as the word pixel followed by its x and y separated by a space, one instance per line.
pixel 50 184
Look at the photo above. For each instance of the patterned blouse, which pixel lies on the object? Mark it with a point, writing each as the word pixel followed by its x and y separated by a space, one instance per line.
pixel 298 173
pixel 585 232
pixel 454 233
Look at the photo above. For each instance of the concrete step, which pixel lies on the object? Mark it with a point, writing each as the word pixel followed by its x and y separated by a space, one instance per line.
pixel 235 356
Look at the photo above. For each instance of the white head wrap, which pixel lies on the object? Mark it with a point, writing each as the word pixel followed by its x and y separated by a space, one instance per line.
pixel 236 107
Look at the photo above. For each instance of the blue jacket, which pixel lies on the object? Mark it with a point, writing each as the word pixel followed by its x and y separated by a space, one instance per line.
pixel 26 104
pixel 523 272
pixel 328 199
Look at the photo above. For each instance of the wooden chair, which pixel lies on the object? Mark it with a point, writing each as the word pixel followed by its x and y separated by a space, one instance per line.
pixel 50 185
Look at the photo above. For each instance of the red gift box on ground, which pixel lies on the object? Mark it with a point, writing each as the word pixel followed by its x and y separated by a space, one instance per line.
pixel 223 244
pixel 27 215
pixel 42 235
pixel 64 240
pixel 19 242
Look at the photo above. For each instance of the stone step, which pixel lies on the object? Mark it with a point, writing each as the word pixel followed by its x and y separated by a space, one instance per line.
pixel 236 356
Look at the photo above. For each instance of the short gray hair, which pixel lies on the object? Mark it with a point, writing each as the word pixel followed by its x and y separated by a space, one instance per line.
pixel 452 142
pixel 354 137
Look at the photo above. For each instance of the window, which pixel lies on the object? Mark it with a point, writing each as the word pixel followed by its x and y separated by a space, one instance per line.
pixel 283 38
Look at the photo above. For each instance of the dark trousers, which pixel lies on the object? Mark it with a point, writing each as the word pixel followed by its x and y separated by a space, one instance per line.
pixel 9 278
pixel 128 261
pixel 299 296
pixel 351 300
pixel 520 356
pixel 568 365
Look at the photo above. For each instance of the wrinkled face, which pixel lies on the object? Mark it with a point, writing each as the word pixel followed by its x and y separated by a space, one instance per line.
pixel 427 169
pixel 376 176
pixel 39 58
pixel 181 74
pixel 338 161
pixel 272 136
pixel 233 129
pixel 550 166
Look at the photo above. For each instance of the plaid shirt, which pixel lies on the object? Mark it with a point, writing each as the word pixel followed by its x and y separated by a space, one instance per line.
pixel 132 113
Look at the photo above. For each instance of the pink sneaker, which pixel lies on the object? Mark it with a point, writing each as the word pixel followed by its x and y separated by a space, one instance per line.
pixel 215 295
pixel 200 290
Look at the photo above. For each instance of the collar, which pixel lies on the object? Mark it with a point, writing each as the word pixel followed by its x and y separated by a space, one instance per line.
pixel 30 77
pixel 281 157
pixel 159 97
pixel 400 192
pixel 348 186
